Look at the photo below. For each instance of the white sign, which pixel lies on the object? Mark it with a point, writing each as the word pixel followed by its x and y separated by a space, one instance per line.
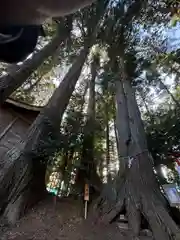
pixel 172 194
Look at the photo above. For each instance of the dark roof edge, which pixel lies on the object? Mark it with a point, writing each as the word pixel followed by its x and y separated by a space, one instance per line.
pixel 23 105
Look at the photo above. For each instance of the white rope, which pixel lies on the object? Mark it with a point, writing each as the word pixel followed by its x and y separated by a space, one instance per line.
pixel 131 158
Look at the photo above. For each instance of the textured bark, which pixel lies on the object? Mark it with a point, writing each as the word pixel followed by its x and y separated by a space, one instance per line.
pixel 138 137
pixel 145 202
pixel 117 139
pixel 28 172
pixel 107 146
pixel 12 81
pixel 25 192
pixel 88 171
pixel 37 150
pixel 122 124
pixel 137 192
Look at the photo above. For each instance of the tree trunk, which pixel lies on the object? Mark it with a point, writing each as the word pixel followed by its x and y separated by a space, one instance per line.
pixel 117 140
pixel 67 173
pixel 107 143
pixel 88 172
pixel 29 168
pixel 43 140
pixel 146 202
pixel 12 81
pixel 123 128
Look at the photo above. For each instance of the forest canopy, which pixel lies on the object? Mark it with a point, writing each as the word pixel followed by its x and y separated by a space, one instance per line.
pixel 107 81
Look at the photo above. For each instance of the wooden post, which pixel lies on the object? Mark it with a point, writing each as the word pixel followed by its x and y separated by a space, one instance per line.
pixel 86 199
pixel 85 210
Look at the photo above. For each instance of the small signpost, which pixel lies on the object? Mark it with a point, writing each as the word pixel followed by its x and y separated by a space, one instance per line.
pixel 86 199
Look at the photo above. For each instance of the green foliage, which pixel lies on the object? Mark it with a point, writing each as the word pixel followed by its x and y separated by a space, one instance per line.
pixel 163 135
pixel 47 144
pixel 127 31
pixel 175 19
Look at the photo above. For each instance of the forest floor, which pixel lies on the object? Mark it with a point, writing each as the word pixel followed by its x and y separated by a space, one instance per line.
pixel 63 221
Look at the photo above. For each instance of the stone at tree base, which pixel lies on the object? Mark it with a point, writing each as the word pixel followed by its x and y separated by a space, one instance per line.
pixel 123 226
pixel 146 232
pixel 122 222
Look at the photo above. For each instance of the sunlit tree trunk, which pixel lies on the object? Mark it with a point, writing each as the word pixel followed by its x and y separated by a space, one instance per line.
pixel 88 172
pixel 123 128
pixel 107 143
pixel 9 83
pixel 28 170
pixel 117 140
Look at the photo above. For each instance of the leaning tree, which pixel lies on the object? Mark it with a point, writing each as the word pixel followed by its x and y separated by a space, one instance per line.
pixel 23 183
pixel 13 80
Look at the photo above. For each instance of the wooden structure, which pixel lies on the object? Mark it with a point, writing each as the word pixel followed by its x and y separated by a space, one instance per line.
pixel 15 119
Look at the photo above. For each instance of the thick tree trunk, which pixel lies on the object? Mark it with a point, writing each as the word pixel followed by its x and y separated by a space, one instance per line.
pixel 137 191
pixel 144 202
pixel 122 124
pixel 29 168
pixel 138 137
pixel 26 190
pixel 88 171
pixel 12 81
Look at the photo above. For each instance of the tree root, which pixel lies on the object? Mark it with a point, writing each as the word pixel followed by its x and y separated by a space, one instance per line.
pixel 140 196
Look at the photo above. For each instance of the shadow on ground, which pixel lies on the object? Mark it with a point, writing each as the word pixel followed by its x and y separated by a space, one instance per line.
pixel 63 221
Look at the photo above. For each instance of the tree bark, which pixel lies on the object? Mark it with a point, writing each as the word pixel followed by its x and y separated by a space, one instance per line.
pixel 28 172
pixel 88 172
pixel 45 130
pixel 146 202
pixel 117 140
pixel 123 128
pixel 108 152
pixel 107 143
pixel 12 81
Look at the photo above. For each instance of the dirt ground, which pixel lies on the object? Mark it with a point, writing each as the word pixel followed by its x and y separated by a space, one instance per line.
pixel 63 221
